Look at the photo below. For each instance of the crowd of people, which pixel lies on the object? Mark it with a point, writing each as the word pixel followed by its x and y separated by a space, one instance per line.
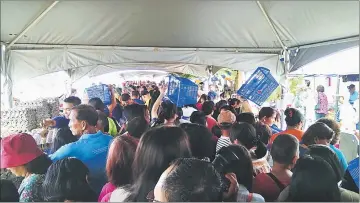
pixel 142 147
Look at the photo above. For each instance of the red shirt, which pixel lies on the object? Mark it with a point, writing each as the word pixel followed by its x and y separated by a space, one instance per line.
pixel 266 187
pixel 211 122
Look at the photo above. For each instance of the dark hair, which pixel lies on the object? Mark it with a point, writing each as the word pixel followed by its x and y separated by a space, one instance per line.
pixel 293 117
pixel 242 166
pixel 320 88
pixel 137 126
pixel 134 110
pixel 103 120
pixel 39 165
pixel 318 130
pixel 73 100
pixel 204 97
pixel 157 148
pixel 119 160
pixel 284 148
pixel 179 113
pixel 97 103
pixel 263 132
pixel 66 180
pixel 208 107
pixel 168 110
pixel 63 136
pixel 307 82
pixel 266 112
pixel 329 156
pixel 86 113
pixel 228 108
pixel 246 135
pixel 125 97
pixel 8 192
pixel 200 140
pixel 135 94
pixel 313 180
pixel 216 130
pixel 198 117
pixel 331 123
pixel 220 104
pixel 233 101
pixel 203 185
pixel 246 117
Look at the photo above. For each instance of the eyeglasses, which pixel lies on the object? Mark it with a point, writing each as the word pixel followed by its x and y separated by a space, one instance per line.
pixel 150 197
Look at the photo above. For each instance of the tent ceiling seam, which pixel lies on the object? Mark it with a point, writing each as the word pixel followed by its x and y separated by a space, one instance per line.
pixel 327 42
pixel 271 25
pixel 32 24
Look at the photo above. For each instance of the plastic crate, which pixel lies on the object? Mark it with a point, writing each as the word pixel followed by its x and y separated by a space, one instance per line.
pixel 101 91
pixel 259 86
pixel 182 91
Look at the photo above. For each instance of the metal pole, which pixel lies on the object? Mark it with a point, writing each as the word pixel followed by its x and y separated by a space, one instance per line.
pixel 337 95
pixel 8 82
pixel 34 22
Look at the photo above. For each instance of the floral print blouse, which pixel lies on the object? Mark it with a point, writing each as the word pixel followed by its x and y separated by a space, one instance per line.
pixel 323 103
pixel 30 188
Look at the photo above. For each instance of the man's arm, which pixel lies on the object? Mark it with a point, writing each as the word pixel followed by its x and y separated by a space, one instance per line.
pixel 63 152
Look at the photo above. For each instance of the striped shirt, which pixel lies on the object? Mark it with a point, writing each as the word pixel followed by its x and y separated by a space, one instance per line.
pixel 222 142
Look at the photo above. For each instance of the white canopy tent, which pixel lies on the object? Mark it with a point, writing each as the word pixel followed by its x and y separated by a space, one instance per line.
pixel 96 37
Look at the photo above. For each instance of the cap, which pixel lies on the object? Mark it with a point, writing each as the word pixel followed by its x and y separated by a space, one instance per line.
pixel 226 117
pixel 352 86
pixel 18 149
pixel 61 122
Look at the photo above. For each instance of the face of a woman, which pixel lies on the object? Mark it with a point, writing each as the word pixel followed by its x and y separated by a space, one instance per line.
pixel 270 120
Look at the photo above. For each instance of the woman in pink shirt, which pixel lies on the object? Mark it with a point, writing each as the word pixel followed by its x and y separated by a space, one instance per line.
pixel 118 165
pixel 321 108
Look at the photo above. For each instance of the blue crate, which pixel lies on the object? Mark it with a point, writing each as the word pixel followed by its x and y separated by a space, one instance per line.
pixel 259 86
pixel 182 91
pixel 101 91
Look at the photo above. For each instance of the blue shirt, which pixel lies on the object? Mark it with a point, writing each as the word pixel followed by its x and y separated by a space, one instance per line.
pixel 92 150
pixel 354 96
pixel 275 129
pixel 138 101
pixel 340 155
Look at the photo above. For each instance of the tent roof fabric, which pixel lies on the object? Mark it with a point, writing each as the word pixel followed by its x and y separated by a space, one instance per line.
pixel 182 24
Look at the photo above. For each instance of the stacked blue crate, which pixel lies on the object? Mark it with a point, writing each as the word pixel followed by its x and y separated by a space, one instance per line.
pixel 182 91
pixel 101 91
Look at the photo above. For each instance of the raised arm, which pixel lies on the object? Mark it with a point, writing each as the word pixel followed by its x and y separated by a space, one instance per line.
pixel 157 103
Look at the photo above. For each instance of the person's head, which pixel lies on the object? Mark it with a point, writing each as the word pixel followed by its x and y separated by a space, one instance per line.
pixel 97 103
pixel 60 122
pixel 198 117
pixel 285 150
pixel 216 131
pixel 318 133
pixel 235 103
pixel 69 103
pixel 8 192
pixel 329 156
pixel 119 160
pixel 168 111
pixel 21 155
pixel 220 104
pixel 66 180
pixel 157 148
pixel 145 95
pixel 246 117
pixel 226 119
pixel 235 159
pixel 83 119
pixel 208 107
pixel 245 134
pixel 320 88
pixel 136 110
pixel 351 88
pixel 331 123
pixel 267 115
pixel 313 180
pixel 102 122
pixel 203 98
pixel 126 99
pixel 176 185
pixel 263 132
pixel 135 95
pixel 63 136
pixel 341 99
pixel 137 126
pixel 294 118
pixel 200 140
pixel 228 108
pixel 307 83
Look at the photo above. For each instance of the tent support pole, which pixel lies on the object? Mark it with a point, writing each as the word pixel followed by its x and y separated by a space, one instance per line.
pixel 337 97
pixel 271 24
pixel 34 22
pixel 284 87
pixel 8 85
